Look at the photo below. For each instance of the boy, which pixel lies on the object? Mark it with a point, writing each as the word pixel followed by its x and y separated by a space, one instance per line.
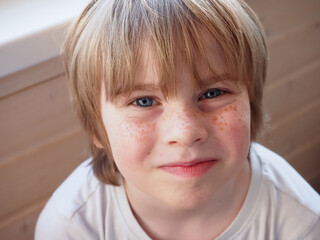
pixel 170 95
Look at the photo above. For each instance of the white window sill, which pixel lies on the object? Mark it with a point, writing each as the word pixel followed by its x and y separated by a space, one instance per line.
pixel 32 31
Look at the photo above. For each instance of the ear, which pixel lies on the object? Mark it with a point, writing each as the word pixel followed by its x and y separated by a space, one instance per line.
pixel 97 143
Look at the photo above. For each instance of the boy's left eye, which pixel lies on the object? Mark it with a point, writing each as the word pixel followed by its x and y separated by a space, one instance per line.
pixel 212 93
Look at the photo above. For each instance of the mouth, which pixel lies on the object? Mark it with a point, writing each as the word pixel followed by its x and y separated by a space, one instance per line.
pixel 192 169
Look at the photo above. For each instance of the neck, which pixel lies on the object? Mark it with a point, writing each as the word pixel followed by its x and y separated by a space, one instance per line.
pixel 161 221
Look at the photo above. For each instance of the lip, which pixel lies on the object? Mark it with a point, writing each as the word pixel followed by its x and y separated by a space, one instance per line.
pixel 190 169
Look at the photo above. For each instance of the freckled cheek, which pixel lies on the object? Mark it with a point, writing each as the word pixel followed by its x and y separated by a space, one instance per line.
pixel 232 127
pixel 136 131
pixel 130 141
pixel 232 120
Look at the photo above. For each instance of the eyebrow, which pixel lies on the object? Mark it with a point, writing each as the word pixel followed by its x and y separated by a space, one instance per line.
pixel 218 78
pixel 203 83
pixel 145 87
pixel 225 77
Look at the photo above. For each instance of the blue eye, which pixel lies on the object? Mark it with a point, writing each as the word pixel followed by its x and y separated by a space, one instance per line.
pixel 144 102
pixel 212 93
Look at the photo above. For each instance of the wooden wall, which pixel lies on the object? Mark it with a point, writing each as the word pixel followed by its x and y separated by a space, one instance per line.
pixel 41 143
pixel 292 93
pixel 41 140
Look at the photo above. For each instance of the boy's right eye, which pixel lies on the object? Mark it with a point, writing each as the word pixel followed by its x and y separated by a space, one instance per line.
pixel 144 102
pixel 212 93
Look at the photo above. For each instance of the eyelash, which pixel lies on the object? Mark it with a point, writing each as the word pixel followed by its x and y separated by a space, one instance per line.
pixel 150 101
pixel 217 92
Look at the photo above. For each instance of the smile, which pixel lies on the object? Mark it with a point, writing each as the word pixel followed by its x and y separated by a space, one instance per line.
pixel 189 170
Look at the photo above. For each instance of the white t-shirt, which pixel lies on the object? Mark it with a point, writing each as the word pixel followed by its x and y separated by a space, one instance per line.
pixel 280 205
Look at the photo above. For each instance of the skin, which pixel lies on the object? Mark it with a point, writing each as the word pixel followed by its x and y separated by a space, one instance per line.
pixel 192 125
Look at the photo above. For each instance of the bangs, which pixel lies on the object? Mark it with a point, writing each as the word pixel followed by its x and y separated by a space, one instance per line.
pixel 179 32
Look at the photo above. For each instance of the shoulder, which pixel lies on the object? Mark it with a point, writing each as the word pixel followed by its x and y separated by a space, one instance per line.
pixel 79 198
pixel 281 175
pixel 292 202
pixel 75 191
pixel 85 208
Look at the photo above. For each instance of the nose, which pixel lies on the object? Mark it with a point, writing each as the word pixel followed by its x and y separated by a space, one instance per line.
pixel 184 126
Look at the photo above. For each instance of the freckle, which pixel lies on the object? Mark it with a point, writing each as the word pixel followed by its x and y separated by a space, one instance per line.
pixel 214 119
pixel 221 128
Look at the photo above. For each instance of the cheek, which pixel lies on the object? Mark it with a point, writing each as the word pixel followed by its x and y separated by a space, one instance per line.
pixel 130 139
pixel 137 131
pixel 233 122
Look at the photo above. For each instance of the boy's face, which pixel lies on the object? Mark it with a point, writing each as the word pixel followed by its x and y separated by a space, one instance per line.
pixel 186 150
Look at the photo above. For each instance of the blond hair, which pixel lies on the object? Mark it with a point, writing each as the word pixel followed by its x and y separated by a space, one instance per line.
pixel 104 44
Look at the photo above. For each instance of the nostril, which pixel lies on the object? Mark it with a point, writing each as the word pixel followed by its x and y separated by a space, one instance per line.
pixel 173 142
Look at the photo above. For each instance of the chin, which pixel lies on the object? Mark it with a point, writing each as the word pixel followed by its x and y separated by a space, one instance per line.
pixel 190 200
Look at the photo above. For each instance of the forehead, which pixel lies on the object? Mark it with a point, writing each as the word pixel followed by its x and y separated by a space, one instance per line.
pixel 198 57
pixel 201 68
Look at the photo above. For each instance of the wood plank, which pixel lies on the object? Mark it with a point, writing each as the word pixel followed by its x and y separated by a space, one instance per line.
pixel 30 76
pixel 33 116
pixel 288 134
pixel 314 180
pixel 278 17
pixel 293 51
pixel 22 224
pixel 287 95
pixel 35 175
pixel 306 157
